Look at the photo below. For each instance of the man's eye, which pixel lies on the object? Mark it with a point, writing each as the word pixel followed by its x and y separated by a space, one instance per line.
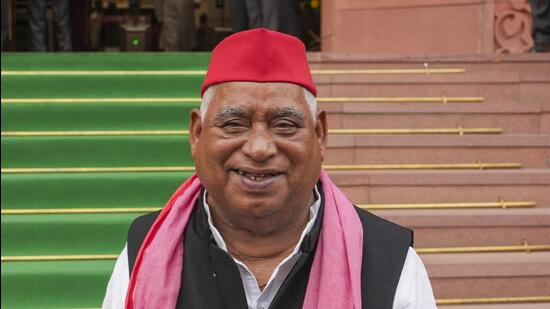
pixel 285 127
pixel 234 126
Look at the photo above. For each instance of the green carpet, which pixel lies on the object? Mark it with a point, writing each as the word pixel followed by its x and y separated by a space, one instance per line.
pixel 55 284
pixel 67 234
pixel 90 151
pixel 93 117
pixel 88 190
pixel 81 284
pixel 101 86
pixel 104 61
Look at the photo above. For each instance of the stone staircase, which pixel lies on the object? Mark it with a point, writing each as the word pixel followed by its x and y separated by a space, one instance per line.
pixel 483 254
pixel 456 148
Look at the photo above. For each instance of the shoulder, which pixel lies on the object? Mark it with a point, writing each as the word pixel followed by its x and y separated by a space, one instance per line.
pixel 136 234
pixel 384 231
pixel 143 222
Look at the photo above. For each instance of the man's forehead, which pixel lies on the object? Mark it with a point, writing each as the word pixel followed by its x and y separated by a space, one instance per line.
pixel 250 95
pixel 261 89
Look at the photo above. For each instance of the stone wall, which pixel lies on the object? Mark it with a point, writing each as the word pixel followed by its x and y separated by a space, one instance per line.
pixel 420 27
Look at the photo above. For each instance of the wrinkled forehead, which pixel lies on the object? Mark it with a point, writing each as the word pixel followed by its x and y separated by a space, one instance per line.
pixel 255 96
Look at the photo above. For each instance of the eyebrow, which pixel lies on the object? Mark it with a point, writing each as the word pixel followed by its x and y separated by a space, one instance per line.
pixel 227 112
pixel 291 112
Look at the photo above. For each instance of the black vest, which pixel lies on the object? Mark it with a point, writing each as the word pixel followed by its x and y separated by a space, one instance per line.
pixel 211 278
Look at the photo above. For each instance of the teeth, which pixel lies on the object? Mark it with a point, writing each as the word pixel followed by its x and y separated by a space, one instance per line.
pixel 256 176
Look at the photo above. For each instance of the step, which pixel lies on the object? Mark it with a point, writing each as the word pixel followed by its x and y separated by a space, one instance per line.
pixel 89 190
pixel 473 275
pixel 55 284
pixel 511 117
pixel 103 116
pixel 104 233
pixel 509 123
pixel 520 63
pixel 524 87
pixel 64 234
pixel 437 106
pixel 493 86
pixel 105 61
pixel 474 227
pixel 490 93
pixel 532 151
pixel 98 86
pixel 95 151
pixel 382 187
pixel 199 61
pixel 452 276
pixel 524 118
pixel 174 150
pixel 466 78
pixel 153 189
pixel 78 284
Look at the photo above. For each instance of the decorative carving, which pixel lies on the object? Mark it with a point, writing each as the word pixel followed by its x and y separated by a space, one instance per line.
pixel 513 22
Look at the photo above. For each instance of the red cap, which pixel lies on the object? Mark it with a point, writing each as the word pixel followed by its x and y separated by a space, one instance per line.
pixel 259 55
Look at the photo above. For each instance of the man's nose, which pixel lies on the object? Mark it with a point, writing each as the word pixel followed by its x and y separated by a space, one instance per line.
pixel 259 144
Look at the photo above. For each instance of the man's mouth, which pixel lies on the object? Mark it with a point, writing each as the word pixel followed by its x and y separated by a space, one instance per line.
pixel 256 176
pixel 257 180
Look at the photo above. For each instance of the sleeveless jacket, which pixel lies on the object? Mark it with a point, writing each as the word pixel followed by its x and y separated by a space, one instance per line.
pixel 211 278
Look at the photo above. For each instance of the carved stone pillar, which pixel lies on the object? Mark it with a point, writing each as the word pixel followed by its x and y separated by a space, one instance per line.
pixel 513 26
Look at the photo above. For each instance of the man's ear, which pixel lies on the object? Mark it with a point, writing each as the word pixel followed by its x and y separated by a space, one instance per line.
pixel 195 129
pixel 321 128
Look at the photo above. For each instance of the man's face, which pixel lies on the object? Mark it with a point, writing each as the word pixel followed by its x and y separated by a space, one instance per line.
pixel 258 151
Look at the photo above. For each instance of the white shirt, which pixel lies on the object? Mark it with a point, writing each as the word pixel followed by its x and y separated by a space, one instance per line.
pixel 256 298
pixel 413 291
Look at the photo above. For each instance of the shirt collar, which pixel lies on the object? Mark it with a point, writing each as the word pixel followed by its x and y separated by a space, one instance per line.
pixel 313 212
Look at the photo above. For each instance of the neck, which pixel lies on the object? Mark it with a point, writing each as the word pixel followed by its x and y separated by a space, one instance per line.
pixel 247 243
pixel 262 244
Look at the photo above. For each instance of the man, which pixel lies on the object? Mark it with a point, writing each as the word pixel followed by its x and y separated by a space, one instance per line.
pixel 278 15
pixel 177 19
pixel 541 25
pixel 37 23
pixel 262 226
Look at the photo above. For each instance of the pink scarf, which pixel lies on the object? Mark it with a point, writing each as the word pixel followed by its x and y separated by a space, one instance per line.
pixel 334 281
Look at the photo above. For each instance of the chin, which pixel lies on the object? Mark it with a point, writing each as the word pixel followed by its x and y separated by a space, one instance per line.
pixel 258 207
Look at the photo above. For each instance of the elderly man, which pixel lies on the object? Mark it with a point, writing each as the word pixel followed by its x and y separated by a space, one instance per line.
pixel 261 225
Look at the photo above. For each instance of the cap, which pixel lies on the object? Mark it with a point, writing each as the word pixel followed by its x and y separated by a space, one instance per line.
pixel 259 55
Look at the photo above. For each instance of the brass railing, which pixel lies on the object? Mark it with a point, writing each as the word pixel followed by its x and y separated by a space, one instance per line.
pixel 500 204
pixel 390 100
pixel 494 300
pixel 357 167
pixel 525 247
pixel 60 211
pixel 481 205
pixel 458 130
pixel 425 70
pixel 437 99
pixel 35 258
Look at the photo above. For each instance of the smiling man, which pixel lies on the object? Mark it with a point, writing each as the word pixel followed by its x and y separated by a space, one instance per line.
pixel 261 225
